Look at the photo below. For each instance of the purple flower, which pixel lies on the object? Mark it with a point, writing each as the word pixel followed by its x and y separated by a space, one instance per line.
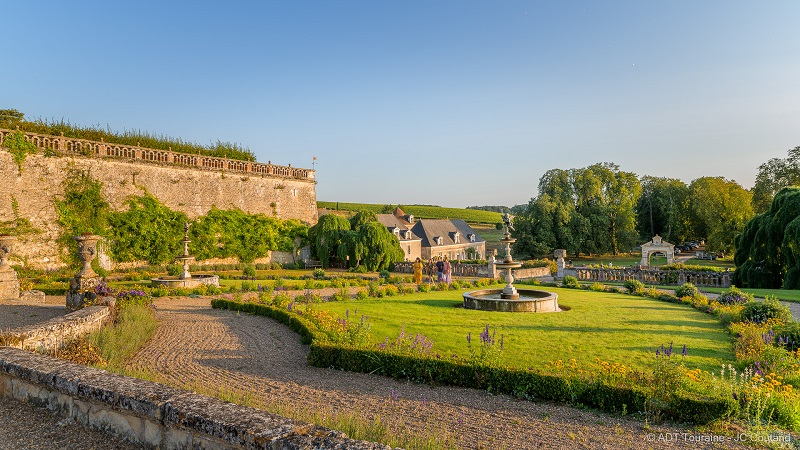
pixel 469 338
pixel 684 351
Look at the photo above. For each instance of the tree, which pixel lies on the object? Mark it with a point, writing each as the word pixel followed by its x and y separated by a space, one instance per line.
pixel 768 249
pixel 588 210
pixel 663 209
pixel 720 208
pixel 10 117
pixel 326 237
pixel 774 175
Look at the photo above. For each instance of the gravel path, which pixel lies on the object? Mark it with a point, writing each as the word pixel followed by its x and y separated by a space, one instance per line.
pixel 196 346
pixel 15 313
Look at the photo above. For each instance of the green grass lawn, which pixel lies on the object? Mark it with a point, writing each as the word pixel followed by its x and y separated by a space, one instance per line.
pixel 612 327
pixel 622 260
pixel 782 294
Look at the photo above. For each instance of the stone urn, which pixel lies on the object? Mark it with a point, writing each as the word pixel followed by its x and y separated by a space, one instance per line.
pixel 6 248
pixel 87 251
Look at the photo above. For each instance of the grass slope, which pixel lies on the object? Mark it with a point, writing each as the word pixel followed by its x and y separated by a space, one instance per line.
pixel 422 212
pixel 612 327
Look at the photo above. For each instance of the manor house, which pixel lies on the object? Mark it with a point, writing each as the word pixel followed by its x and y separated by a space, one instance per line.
pixel 434 238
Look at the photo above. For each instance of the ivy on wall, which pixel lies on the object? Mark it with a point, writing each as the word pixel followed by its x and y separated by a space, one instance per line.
pixel 19 147
pixel 149 230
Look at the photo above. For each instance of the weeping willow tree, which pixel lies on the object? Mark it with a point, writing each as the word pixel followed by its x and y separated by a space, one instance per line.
pixel 768 250
pixel 362 240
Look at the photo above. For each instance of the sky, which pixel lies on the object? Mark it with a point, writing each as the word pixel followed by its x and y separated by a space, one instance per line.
pixel 451 103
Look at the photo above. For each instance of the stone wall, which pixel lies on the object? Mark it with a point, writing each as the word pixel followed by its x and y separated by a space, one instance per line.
pixel 154 415
pixel 190 189
pixel 54 333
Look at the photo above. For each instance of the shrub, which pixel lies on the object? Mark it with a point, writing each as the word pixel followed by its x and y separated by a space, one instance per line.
pixel 384 274
pixel 362 295
pixel 249 270
pixel 424 287
pixel 634 287
pixel 570 282
pixel 318 273
pixel 174 270
pixel 790 334
pixel 597 286
pixel 734 296
pixel 770 308
pixel 391 290
pixel 686 290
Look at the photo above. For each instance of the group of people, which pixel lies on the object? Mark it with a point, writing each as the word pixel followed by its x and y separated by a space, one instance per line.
pixel 440 266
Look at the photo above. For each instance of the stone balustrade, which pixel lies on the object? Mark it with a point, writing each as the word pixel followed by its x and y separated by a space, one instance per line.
pixel 61 145
pixel 655 276
pixel 457 269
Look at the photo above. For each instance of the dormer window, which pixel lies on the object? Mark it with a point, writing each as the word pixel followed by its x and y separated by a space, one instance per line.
pixel 395 231
pixel 471 237
pixel 410 218
pixel 455 235
pixel 407 234
pixel 439 240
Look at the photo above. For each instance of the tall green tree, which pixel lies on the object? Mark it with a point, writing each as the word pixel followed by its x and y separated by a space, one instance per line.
pixel 327 236
pixel 587 210
pixel 773 176
pixel 663 209
pixel 768 249
pixel 721 208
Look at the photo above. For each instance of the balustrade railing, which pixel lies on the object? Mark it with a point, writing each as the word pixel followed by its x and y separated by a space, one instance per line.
pixel 63 145
pixel 654 276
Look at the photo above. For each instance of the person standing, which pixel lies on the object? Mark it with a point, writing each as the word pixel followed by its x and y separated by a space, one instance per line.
pixel 440 270
pixel 447 270
pixel 418 271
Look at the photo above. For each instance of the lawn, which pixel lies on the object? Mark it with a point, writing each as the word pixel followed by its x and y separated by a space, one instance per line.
pixel 782 294
pixel 612 327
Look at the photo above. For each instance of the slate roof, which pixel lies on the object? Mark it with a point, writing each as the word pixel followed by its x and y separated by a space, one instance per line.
pixel 429 229
pixel 390 221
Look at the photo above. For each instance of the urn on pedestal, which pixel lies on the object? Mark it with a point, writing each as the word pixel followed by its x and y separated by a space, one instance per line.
pixel 82 285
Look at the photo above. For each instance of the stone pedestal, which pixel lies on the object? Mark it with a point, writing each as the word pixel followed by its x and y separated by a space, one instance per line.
pixel 81 291
pixel 560 254
pixel 9 285
pixel 82 286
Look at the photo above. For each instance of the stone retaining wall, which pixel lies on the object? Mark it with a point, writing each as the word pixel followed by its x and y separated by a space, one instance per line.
pixel 155 415
pixel 55 332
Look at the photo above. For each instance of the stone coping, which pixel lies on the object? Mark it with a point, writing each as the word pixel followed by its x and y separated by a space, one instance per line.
pixel 152 414
pixel 53 333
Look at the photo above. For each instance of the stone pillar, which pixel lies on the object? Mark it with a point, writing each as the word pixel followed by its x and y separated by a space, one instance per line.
pixel 560 254
pixel 490 257
pixel 9 284
pixel 82 286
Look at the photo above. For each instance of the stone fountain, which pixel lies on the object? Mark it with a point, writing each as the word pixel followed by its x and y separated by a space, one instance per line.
pixel 509 298
pixel 186 279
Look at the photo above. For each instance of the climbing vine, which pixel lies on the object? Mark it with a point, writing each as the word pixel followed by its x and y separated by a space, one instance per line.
pixel 19 147
pixel 149 230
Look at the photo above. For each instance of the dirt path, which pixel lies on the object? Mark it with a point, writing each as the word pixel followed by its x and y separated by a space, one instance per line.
pixel 196 346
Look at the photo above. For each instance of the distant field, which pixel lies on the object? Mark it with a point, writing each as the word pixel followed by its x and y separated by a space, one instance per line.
pixel 422 212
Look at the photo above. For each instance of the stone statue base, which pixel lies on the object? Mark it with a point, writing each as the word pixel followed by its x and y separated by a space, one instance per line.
pixel 81 291
pixel 9 285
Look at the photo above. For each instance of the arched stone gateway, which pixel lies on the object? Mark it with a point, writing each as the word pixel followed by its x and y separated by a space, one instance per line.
pixel 657 245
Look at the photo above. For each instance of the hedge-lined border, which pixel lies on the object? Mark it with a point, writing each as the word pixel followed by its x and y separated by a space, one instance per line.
pixel 519 383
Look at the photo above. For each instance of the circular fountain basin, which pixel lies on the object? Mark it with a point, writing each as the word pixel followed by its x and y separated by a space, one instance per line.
pixel 529 300
pixel 193 282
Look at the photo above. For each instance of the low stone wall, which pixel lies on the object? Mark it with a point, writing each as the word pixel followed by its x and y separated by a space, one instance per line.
pixel 533 272
pixel 55 332
pixel 154 415
pixel 655 276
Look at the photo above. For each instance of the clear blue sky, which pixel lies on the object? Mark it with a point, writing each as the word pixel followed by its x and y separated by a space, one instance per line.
pixel 449 103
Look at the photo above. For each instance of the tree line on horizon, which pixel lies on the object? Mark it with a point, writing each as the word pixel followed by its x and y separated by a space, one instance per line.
pixel 600 209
